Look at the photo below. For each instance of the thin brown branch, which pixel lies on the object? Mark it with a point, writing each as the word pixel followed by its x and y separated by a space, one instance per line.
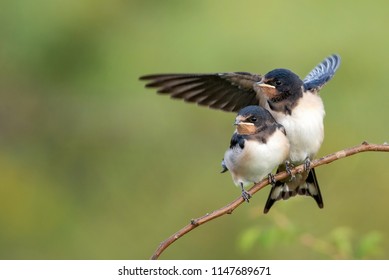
pixel 228 209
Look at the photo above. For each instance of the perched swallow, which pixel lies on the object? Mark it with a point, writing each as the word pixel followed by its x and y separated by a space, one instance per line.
pixel 294 103
pixel 258 145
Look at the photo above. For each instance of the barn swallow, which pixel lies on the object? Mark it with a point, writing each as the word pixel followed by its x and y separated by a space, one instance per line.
pixel 258 145
pixel 294 103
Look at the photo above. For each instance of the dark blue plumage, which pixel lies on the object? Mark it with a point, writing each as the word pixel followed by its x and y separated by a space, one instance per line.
pixel 322 73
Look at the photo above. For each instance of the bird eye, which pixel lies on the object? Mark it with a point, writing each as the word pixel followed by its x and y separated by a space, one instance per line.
pixel 278 82
pixel 253 119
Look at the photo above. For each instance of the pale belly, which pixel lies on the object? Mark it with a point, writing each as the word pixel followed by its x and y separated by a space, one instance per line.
pixel 304 127
pixel 256 160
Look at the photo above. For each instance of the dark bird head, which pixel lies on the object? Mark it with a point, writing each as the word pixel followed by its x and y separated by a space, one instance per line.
pixel 252 119
pixel 279 84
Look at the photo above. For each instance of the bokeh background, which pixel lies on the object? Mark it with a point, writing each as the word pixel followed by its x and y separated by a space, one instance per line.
pixel 95 166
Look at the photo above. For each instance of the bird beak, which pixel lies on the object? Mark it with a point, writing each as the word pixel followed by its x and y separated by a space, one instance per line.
pixel 268 90
pixel 239 119
pixel 243 127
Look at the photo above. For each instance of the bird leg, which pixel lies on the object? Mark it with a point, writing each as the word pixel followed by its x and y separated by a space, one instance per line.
pixel 245 194
pixel 271 179
pixel 307 164
pixel 288 169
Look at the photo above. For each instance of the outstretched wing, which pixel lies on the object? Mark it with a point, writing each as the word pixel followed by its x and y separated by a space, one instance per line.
pixel 322 73
pixel 226 91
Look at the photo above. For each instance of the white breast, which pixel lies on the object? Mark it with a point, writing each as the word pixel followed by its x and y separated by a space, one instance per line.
pixel 256 160
pixel 304 127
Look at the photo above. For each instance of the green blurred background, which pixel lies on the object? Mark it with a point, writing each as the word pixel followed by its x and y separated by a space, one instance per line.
pixel 94 166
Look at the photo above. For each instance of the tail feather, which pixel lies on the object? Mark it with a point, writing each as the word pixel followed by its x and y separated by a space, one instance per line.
pixel 313 188
pixel 224 166
pixel 285 190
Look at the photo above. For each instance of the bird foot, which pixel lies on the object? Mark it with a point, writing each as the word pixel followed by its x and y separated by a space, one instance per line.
pixel 288 168
pixel 307 164
pixel 245 194
pixel 271 179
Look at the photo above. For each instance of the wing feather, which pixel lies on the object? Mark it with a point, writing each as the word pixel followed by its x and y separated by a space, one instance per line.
pixel 229 91
pixel 322 73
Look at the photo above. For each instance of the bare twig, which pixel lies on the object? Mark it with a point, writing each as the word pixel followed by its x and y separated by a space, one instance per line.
pixel 228 209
